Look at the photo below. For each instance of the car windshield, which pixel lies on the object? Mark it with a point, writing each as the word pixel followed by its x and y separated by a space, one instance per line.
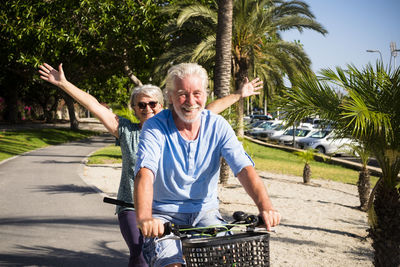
pixel 265 125
pixel 302 132
pixel 298 132
pixel 256 124
pixel 320 134
pixel 288 132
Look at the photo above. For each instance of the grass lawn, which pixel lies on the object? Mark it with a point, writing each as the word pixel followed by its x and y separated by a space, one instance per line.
pixel 266 159
pixel 13 143
pixel 107 155
pixel 282 162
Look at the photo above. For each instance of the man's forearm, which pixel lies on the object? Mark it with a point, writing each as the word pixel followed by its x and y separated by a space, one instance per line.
pixel 143 194
pixel 255 188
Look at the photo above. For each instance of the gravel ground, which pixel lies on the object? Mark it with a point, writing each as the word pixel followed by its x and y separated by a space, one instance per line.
pixel 321 225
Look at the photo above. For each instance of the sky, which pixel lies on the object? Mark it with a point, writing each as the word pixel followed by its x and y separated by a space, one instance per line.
pixel 353 27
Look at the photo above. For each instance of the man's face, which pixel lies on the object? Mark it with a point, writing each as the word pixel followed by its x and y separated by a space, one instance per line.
pixel 146 107
pixel 188 98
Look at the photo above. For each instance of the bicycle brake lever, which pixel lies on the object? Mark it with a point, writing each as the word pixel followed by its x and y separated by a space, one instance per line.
pixel 169 236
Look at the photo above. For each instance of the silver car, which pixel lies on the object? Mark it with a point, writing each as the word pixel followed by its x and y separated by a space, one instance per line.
pixel 268 134
pixel 287 137
pixel 326 142
pixel 262 127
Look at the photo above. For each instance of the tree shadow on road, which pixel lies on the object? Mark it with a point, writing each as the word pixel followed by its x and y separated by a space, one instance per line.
pixel 30 242
pixel 66 188
pixel 52 256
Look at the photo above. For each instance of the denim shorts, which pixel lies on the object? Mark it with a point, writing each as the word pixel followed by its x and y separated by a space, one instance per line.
pixel 168 251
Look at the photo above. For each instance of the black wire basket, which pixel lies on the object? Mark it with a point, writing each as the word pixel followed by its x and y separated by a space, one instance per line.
pixel 245 249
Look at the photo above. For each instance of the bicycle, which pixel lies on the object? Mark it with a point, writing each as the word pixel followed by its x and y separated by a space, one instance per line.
pixel 203 247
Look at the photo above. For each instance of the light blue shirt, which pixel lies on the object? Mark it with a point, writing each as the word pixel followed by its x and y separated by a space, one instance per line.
pixel 187 172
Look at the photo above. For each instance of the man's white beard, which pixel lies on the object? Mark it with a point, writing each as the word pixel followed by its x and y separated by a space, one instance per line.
pixel 181 116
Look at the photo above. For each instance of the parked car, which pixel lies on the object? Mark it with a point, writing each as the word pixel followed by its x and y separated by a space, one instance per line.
pixel 316 123
pixel 262 127
pixel 279 129
pixel 257 117
pixel 326 142
pixel 254 124
pixel 287 137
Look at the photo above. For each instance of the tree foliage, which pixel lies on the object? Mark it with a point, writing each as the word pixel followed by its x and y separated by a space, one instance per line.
pixel 99 42
pixel 257 48
pixel 366 108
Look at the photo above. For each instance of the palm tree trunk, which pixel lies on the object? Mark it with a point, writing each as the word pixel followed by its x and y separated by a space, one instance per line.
pixel 240 124
pixel 386 233
pixel 223 52
pixel 223 64
pixel 364 188
pixel 307 173
pixel 241 72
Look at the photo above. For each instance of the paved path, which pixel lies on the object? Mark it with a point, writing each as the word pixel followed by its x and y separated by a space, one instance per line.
pixel 50 217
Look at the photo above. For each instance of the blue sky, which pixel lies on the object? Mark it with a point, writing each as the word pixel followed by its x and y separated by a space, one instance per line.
pixel 353 27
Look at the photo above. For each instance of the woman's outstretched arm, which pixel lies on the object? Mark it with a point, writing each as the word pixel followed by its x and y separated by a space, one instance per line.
pixel 51 75
pixel 246 90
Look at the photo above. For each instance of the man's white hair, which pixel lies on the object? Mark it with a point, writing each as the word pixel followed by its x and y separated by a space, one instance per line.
pixel 182 70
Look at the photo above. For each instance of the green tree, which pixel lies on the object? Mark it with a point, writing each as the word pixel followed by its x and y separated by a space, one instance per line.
pixel 99 42
pixel 367 108
pixel 257 48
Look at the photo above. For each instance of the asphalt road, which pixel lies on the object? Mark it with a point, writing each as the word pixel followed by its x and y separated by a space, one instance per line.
pixel 50 217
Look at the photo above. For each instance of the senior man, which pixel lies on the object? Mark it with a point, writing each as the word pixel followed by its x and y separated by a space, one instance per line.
pixel 177 170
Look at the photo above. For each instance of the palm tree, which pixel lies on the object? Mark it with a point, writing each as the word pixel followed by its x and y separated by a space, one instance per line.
pixel 223 64
pixel 222 73
pixel 364 181
pixel 306 156
pixel 369 111
pixel 257 48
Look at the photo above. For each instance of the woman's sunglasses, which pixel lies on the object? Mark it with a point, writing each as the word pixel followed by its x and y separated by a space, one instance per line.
pixel 143 105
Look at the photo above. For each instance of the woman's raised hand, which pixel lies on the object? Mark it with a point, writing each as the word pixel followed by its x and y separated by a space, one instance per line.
pixel 250 88
pixel 48 73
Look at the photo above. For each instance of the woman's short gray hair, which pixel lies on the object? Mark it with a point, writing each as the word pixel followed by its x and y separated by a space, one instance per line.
pixel 180 71
pixel 148 90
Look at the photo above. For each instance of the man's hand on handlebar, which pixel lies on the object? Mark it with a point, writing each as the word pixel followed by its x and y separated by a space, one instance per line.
pixel 271 218
pixel 151 227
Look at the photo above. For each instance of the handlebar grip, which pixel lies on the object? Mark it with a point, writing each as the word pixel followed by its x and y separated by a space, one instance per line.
pixel 168 228
pixel 118 202
pixel 260 221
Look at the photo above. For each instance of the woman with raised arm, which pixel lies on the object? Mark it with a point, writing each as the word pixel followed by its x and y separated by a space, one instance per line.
pixel 146 101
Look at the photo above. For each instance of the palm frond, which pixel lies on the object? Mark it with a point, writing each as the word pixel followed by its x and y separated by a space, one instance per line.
pixel 196 10
pixel 205 50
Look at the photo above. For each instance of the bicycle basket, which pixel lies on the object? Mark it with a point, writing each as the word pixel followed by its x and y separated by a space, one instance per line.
pixel 245 249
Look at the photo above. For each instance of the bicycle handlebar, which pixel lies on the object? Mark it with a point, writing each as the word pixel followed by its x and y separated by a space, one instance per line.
pixel 240 218
pixel 118 202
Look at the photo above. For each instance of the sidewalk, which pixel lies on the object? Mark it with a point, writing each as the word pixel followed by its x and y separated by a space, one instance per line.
pixel 50 217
